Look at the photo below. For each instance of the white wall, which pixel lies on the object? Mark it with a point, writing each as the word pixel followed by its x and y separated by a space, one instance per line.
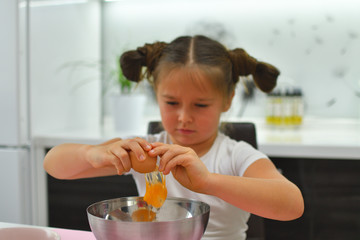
pixel 64 65
pixel 315 44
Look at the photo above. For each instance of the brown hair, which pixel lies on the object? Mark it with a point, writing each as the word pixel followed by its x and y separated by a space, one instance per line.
pixel 209 55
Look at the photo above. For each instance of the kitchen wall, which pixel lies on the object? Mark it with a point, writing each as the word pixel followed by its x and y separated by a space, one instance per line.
pixel 315 44
pixel 64 42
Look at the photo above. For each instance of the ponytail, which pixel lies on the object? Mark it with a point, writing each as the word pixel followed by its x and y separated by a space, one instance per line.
pixel 131 62
pixel 264 74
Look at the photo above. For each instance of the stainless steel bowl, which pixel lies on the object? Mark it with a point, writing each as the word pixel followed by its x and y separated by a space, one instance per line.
pixel 178 218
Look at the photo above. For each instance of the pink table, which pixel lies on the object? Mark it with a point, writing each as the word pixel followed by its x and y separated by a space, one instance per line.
pixel 67 234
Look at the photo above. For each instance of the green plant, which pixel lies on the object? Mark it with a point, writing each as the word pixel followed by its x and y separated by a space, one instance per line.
pixel 115 78
pixel 124 83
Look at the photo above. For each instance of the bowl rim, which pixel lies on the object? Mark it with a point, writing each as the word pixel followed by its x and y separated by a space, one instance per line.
pixel 206 205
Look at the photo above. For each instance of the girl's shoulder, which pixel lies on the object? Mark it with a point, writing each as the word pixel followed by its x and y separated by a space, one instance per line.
pixel 233 157
pixel 236 148
pixel 224 141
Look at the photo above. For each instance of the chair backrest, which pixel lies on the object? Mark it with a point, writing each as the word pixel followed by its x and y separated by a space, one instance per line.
pixel 239 131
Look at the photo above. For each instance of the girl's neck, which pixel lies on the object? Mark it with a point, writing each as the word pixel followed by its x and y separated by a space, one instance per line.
pixel 201 148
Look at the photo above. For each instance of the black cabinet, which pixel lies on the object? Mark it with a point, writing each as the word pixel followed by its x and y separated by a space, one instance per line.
pixel 68 199
pixel 331 190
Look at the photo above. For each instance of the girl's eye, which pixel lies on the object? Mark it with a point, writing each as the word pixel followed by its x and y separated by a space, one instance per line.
pixel 201 105
pixel 171 103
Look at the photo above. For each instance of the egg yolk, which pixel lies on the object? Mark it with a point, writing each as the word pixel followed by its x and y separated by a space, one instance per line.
pixel 143 215
pixel 155 194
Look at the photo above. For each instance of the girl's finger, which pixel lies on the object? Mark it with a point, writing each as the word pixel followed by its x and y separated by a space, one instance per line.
pixel 143 143
pixel 157 144
pixel 166 158
pixel 123 159
pixel 115 161
pixel 168 154
pixel 177 160
pixel 138 146
pixel 157 151
pixel 137 149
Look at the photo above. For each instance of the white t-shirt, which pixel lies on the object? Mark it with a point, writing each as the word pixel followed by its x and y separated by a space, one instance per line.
pixel 227 157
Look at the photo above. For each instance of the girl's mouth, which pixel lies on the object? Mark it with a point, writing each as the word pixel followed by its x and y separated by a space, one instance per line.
pixel 185 131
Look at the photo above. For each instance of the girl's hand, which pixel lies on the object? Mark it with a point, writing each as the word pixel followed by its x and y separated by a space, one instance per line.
pixel 184 164
pixel 116 153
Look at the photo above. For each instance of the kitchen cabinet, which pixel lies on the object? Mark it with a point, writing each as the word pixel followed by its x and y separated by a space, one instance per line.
pixel 331 190
pixel 68 200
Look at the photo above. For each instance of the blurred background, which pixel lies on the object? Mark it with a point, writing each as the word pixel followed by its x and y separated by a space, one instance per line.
pixel 58 78
pixel 73 44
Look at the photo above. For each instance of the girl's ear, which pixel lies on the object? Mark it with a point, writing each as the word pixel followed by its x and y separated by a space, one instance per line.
pixel 228 101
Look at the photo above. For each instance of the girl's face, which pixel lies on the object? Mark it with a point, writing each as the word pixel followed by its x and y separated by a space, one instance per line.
pixel 190 108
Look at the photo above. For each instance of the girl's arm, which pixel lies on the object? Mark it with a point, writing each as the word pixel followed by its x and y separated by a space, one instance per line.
pixel 262 190
pixel 72 161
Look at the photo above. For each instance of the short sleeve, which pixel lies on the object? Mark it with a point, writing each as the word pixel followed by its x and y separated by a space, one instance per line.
pixel 243 156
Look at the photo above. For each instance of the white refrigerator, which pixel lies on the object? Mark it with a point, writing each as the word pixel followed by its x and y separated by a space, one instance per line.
pixel 15 176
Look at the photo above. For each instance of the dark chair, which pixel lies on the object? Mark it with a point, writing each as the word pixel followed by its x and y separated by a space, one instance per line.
pixel 238 131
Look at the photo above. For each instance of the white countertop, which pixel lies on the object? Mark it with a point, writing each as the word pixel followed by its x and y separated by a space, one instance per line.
pixel 316 138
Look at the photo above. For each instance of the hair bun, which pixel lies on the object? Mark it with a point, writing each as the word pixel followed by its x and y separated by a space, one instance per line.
pixel 131 62
pixel 265 76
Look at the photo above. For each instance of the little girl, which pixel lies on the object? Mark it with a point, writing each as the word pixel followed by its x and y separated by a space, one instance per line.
pixel 194 79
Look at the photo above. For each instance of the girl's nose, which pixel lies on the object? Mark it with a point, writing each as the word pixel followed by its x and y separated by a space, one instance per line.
pixel 185 115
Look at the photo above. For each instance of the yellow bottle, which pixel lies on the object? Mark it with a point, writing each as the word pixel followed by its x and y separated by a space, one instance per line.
pixel 270 108
pixel 288 102
pixel 298 107
pixel 278 108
